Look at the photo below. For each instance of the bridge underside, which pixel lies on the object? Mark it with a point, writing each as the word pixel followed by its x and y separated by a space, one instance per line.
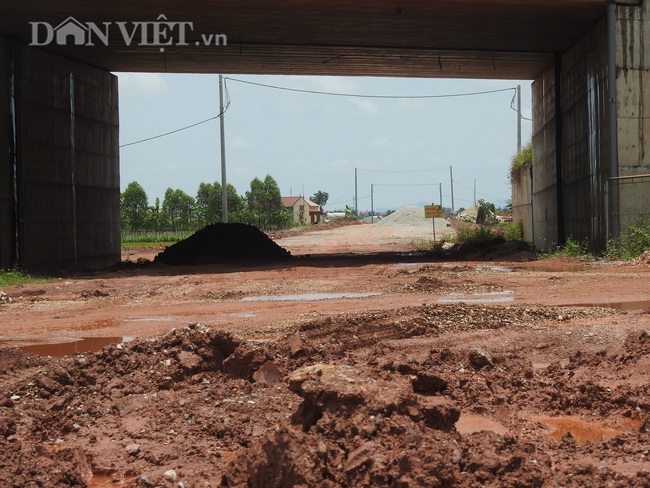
pixel 503 39
pixel 59 178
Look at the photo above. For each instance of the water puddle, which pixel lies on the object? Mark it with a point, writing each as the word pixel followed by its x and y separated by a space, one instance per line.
pixel 468 424
pixel 150 319
pixel 489 267
pixel 556 268
pixel 581 431
pixel 625 306
pixel 490 297
pixel 243 315
pixel 89 344
pixel 307 297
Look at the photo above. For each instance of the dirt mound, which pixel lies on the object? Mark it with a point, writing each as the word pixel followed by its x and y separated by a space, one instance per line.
pixel 412 216
pixel 221 243
pixel 198 406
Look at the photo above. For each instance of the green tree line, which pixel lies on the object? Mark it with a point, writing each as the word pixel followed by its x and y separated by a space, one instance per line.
pixel 179 212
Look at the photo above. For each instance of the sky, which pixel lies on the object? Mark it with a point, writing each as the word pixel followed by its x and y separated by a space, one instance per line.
pixel 401 148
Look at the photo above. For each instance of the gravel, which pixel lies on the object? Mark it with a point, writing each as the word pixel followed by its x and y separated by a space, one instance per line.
pixel 411 216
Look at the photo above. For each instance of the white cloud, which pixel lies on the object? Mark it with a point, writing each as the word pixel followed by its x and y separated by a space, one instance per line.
pixel 381 142
pixel 413 105
pixel 413 146
pixel 240 142
pixel 366 107
pixel 340 164
pixel 147 84
pixel 332 84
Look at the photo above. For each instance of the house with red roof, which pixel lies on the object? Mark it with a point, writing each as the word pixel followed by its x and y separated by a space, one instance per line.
pixel 303 210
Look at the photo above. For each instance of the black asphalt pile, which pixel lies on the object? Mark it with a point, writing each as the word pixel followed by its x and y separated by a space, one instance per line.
pixel 219 243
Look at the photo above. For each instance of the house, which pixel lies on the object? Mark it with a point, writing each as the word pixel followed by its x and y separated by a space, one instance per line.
pixel 303 210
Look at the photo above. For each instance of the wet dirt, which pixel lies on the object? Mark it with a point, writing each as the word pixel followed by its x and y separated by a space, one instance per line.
pixel 376 383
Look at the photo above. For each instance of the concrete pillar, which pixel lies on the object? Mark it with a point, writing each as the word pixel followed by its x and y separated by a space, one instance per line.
pixel 70 163
pixel 633 111
pixel 7 229
pixel 571 146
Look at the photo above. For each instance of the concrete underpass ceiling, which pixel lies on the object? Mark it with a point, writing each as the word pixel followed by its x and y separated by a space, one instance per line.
pixel 507 39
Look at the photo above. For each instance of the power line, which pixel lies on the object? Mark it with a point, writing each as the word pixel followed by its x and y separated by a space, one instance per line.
pixel 182 128
pixel 354 95
pixel 401 171
pixel 512 106
pixel 415 184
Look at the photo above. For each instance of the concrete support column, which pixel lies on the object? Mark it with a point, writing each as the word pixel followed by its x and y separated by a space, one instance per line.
pixel 66 187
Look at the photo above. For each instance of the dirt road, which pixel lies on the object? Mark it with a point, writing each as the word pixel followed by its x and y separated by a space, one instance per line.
pixel 375 368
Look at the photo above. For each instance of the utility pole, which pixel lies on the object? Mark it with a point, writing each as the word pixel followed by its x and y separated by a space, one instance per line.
pixel 356 201
pixel 518 118
pixel 224 181
pixel 440 186
pixel 372 203
pixel 475 192
pixel 451 178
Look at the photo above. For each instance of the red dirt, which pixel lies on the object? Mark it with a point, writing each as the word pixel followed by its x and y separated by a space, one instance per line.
pixel 526 383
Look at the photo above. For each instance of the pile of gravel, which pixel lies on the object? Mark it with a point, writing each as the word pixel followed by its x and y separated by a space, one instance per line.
pixel 218 243
pixel 411 216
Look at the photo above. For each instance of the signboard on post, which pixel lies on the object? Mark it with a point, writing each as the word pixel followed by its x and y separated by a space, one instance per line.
pixel 433 212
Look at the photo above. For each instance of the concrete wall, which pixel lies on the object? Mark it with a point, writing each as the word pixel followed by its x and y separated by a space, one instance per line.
pixel 585 141
pixel 7 229
pixel 578 210
pixel 522 201
pixel 544 187
pixel 70 164
pixel 633 110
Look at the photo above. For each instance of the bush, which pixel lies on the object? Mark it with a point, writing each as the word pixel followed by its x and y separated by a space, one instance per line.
pixel 632 243
pixel 153 237
pixel 510 231
pixel 522 158
pixel 571 249
pixel 14 276
pixel 477 235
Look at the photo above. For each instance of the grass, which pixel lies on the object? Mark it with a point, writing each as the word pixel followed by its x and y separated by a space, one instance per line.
pixel 522 158
pixel 13 277
pixel 632 243
pixel 144 238
pixel 478 235
pixel 571 249
pixel 421 244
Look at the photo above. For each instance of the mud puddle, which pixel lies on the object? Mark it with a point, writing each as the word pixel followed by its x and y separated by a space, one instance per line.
pixel 89 344
pixel 581 431
pixel 490 297
pixel 468 424
pixel 623 306
pixel 306 297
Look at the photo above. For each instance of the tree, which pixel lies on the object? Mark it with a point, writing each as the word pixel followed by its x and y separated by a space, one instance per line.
pixel 265 204
pixel 133 206
pixel 320 197
pixel 178 208
pixel 208 203
pixel 235 204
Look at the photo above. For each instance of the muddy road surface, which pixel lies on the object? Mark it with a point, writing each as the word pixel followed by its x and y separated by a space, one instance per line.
pixel 355 363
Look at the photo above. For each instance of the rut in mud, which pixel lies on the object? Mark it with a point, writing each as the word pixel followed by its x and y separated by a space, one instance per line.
pixel 385 398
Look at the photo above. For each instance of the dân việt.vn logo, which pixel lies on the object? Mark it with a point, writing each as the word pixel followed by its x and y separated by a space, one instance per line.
pixel 159 33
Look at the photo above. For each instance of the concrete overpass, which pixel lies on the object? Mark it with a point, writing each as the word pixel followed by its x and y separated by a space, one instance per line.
pixel 59 171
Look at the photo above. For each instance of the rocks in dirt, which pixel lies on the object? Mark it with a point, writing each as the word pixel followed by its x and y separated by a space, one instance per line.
pixel 132 449
pixel 220 242
pixel 342 390
pixel 480 358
